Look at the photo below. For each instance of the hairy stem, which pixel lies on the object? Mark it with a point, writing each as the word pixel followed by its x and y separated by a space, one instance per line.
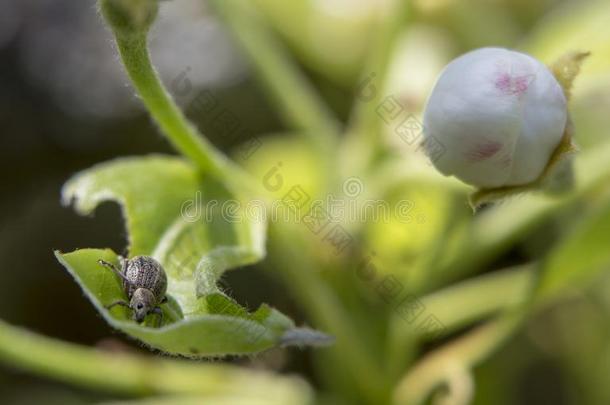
pixel 174 125
pixel 171 120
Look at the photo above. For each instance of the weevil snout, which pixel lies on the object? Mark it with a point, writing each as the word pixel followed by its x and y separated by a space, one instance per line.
pixel 142 303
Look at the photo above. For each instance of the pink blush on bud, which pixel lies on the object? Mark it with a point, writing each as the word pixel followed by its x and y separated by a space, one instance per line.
pixel 503 82
pixel 483 151
pixel 521 84
pixel 512 85
pixel 501 114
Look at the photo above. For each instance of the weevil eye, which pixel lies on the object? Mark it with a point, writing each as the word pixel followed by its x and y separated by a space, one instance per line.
pixel 139 306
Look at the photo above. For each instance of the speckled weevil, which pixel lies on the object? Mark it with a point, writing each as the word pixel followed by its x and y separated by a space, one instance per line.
pixel 145 283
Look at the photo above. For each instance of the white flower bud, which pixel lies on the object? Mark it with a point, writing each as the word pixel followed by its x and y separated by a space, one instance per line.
pixel 499 116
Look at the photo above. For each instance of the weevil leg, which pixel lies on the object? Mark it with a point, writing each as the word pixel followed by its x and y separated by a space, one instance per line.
pixel 124 263
pixel 118 302
pixel 159 312
pixel 114 269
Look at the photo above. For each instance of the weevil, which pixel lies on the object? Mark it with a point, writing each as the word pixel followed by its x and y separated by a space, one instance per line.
pixel 145 283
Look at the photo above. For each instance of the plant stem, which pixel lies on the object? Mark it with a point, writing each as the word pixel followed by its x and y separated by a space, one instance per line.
pixel 173 123
pixel 135 374
pixel 473 299
pixel 458 356
pixel 362 143
pixel 322 305
pixel 300 105
pixel 499 228
pixel 458 305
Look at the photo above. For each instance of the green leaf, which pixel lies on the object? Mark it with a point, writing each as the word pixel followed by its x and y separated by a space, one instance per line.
pixel 175 215
pixel 579 256
pixel 150 190
pixel 498 228
pixel 132 375
pixel 216 333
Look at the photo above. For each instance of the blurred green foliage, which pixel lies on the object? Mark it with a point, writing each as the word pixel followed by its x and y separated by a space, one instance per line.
pixel 535 333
